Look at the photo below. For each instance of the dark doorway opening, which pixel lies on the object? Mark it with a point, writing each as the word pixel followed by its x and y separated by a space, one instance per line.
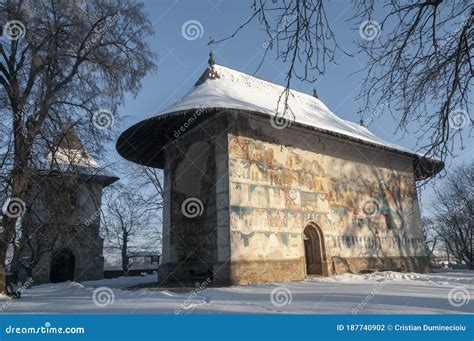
pixel 62 266
pixel 314 250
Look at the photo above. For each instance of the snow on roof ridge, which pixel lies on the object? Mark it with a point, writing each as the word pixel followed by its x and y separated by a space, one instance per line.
pixel 223 87
pixel 292 92
pixel 274 85
pixel 72 157
pixel 70 154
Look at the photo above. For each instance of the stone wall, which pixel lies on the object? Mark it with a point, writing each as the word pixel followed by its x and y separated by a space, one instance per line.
pixel 87 247
pixel 195 229
pixel 61 219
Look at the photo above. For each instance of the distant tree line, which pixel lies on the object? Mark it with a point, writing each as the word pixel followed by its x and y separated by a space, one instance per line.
pixel 450 229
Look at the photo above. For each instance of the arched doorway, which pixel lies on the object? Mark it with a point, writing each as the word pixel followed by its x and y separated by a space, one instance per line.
pixel 63 266
pixel 314 250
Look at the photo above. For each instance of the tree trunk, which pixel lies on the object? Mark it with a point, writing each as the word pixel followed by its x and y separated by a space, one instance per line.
pixel 125 264
pixel 3 275
pixel 5 240
pixel 19 189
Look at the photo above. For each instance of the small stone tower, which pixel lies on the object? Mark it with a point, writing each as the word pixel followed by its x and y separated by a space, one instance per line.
pixel 60 228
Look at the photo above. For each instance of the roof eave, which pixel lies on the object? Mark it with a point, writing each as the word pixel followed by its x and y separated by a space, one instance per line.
pixel 424 167
pixel 104 180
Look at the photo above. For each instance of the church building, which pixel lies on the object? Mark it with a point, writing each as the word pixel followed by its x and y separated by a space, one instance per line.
pixel 256 192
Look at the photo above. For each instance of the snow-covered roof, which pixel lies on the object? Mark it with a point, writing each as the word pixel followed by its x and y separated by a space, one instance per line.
pixel 75 157
pixel 227 88
pixel 69 155
pixel 223 88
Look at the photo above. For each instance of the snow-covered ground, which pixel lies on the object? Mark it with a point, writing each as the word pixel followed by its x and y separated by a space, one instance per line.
pixel 379 293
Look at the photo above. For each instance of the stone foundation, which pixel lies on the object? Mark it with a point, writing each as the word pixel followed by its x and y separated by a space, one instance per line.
pixel 359 265
pixel 186 273
pixel 235 273
pixel 253 272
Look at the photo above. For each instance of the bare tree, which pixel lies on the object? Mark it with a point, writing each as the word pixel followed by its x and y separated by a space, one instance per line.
pixel 63 63
pixel 299 31
pixel 420 62
pixel 63 202
pixel 149 183
pixel 454 214
pixel 127 222
pixel 421 66
pixel 430 235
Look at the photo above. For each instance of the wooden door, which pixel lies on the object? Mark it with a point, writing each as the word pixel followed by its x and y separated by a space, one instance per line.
pixel 313 251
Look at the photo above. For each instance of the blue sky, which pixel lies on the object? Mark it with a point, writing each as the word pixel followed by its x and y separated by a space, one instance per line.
pixel 182 61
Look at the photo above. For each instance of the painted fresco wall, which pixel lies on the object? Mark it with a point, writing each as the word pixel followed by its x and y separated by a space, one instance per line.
pixel 363 211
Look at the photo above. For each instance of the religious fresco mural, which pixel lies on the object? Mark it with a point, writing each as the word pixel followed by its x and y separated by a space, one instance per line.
pixel 274 190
